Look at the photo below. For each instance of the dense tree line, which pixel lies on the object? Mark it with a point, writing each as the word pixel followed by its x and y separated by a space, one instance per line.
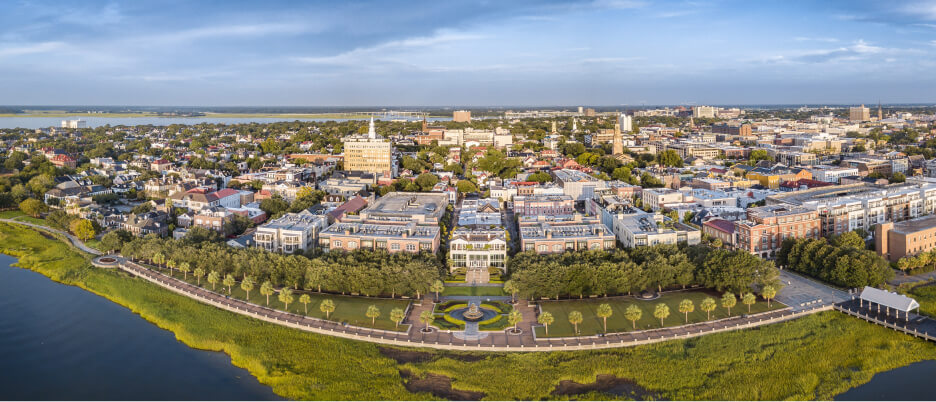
pixel 580 273
pixel 370 273
pixel 842 260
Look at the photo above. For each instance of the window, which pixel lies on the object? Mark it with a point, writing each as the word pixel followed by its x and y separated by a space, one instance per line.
pixel 410 247
pixel 557 247
pixel 337 243
pixel 352 244
pixel 394 246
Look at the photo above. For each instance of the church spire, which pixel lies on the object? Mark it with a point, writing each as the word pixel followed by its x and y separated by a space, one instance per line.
pixel 371 131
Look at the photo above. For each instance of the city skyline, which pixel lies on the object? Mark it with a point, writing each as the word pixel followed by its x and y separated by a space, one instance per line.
pixel 605 52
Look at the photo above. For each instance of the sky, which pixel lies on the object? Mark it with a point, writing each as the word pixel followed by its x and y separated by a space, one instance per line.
pixel 466 53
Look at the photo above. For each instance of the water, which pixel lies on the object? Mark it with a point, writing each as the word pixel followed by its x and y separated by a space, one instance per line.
pixel 44 122
pixel 908 383
pixel 59 342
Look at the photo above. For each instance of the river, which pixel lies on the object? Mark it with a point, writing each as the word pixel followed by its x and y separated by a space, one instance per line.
pixel 907 383
pixel 43 122
pixel 60 342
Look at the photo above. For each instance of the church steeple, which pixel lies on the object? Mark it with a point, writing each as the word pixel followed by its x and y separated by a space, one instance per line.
pixel 371 131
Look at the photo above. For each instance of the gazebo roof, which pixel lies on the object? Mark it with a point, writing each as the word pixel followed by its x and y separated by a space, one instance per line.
pixel 889 299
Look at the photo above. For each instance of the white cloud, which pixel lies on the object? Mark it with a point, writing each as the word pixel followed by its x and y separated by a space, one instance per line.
pixel 368 54
pixel 226 31
pixel 32 48
pixel 814 39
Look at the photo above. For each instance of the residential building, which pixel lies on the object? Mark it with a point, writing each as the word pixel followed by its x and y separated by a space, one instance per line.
pixel 578 185
pixel 657 198
pixel 860 113
pixel 721 229
pixel 556 237
pixel 408 237
pixel 461 116
pixel 543 205
pixel 766 227
pixel 478 249
pixel 290 232
pixel 903 239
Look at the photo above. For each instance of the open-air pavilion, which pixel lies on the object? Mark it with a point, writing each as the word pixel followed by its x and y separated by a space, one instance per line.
pixel 890 300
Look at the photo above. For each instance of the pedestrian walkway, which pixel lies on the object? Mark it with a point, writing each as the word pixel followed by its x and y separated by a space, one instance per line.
pixel 801 293
pixel 915 325
pixel 72 239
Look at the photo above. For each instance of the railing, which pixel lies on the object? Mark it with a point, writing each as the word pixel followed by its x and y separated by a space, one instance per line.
pixel 894 326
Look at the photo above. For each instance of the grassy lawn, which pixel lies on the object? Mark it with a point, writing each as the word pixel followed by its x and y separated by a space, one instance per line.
pixel 814 357
pixel 474 291
pixel 926 296
pixel 348 309
pixel 11 214
pixel 592 324
pixel 93 243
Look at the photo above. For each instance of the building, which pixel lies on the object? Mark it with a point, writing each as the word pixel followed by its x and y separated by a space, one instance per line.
pixel 74 124
pixel 578 185
pixel 394 238
pixel 146 223
pixel 65 161
pixel 368 153
pixel 290 232
pixel 832 174
pixel 484 213
pixel 908 238
pixel 543 205
pixel 402 207
pixel 721 229
pixel 657 198
pixel 461 116
pixel 626 122
pixel 704 111
pixel 860 113
pixel 478 250
pixel 557 237
pixel 636 228
pixel 217 219
pixel 766 227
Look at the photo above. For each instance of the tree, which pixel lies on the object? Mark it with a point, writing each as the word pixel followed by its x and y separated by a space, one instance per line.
pixel 898 178
pixel 545 319
pixel 159 259
pixel 171 264
pixel 708 306
pixel 514 318
pixel 427 181
pixel 229 281
pixel 540 177
pixel 83 229
pixel 114 240
pixel 213 279
pixel 286 296
pixel 728 301
pixel 437 287
pixel 661 311
pixel 511 287
pixel 199 273
pixel 247 285
pixel 633 313
pixel 185 267
pixel 686 307
pixel 266 289
pixel 465 186
pixel 327 306
pixel 575 318
pixel 768 292
pixel 604 311
pixel 397 315
pixel 670 158
pixel 426 317
pixel 372 312
pixel 749 299
pixel 305 300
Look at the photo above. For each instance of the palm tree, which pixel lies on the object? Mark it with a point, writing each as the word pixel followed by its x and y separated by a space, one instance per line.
pixel 661 311
pixel 305 300
pixel 199 273
pixel 266 289
pixel 372 312
pixel 213 278
pixel 749 299
pixel 286 296
pixel 769 292
pixel 633 313
pixel 397 316
pixel 327 306
pixel 229 281
pixel 545 319
pixel 437 287
pixel 514 319
pixel 728 301
pixel 686 307
pixel 171 264
pixel 511 287
pixel 708 306
pixel 426 317
pixel 158 259
pixel 185 268
pixel 604 311
pixel 575 318
pixel 247 285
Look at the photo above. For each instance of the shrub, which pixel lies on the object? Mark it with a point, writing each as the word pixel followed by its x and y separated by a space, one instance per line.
pixel 497 323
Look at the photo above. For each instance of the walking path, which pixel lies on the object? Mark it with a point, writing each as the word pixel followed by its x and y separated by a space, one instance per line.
pixel 802 293
pixel 72 239
pixel 902 278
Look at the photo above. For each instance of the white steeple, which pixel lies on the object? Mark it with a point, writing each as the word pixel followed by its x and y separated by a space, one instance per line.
pixel 371 131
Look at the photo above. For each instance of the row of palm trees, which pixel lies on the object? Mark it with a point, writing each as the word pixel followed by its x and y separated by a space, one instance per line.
pixel 285 295
pixel 661 311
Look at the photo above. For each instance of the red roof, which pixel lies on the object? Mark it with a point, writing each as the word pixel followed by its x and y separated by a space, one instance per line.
pixel 353 205
pixel 226 193
pixel 62 158
pixel 721 225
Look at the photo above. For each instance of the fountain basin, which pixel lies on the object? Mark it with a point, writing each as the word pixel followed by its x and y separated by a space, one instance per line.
pixel 460 314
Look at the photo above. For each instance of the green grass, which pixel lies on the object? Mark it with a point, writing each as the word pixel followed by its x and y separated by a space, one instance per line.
pixel 474 291
pixel 592 324
pixel 348 309
pixel 815 357
pixel 13 214
pixel 926 296
pixel 94 243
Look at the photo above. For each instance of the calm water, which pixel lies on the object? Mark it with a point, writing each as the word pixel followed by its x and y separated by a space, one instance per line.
pixel 908 383
pixel 42 122
pixel 62 343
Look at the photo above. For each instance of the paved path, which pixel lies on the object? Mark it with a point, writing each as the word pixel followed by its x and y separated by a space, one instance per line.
pixel 902 278
pixel 801 293
pixel 74 240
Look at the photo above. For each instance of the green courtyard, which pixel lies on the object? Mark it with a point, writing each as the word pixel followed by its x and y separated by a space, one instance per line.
pixel 474 291
pixel 591 324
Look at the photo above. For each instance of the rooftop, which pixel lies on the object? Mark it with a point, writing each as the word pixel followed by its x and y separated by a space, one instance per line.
pixel 915 225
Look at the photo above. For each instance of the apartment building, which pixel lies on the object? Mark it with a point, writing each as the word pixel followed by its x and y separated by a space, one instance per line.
pixel 408 237
pixel 902 239
pixel 578 185
pixel 657 198
pixel 544 237
pixel 368 153
pixel 478 249
pixel 832 174
pixel 766 227
pixel 636 228
pixel 544 205
pixel 290 232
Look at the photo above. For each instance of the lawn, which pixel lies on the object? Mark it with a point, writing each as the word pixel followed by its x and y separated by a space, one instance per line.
pixel 474 291
pixel 13 214
pixel 592 324
pixel 814 357
pixel 348 309
pixel 926 296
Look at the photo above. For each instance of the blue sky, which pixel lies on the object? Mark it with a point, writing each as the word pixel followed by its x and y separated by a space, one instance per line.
pixel 497 52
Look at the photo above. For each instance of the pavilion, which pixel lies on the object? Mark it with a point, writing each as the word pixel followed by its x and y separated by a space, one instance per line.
pixel 889 300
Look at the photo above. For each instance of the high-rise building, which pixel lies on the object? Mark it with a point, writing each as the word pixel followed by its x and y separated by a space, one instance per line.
pixel 461 116
pixel 860 113
pixel 704 111
pixel 369 153
pixel 626 122
pixel 617 145
pixel 74 124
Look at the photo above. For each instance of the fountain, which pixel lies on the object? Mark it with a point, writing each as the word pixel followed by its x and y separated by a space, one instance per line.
pixel 473 313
